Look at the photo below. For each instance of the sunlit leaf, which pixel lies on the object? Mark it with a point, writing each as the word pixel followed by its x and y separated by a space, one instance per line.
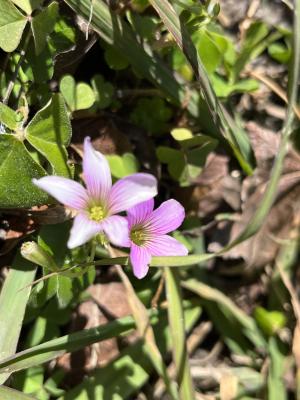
pixel 12 24
pixel 17 169
pixel 50 132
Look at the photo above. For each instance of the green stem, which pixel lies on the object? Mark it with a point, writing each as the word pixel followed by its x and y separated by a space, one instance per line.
pixel 177 328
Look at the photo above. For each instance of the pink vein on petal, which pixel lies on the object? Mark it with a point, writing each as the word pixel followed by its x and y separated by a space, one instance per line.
pixel 66 191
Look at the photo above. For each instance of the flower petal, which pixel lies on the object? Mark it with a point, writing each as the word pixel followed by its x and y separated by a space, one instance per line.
pixel 131 190
pixel 164 245
pixel 140 212
pixel 140 259
pixel 66 191
pixel 116 229
pixel 96 172
pixel 166 218
pixel 83 230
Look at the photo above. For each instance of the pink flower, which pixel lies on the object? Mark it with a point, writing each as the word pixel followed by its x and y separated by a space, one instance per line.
pixel 97 204
pixel 147 232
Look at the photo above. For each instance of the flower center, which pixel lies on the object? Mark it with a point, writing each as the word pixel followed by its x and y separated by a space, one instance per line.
pixel 97 213
pixel 138 236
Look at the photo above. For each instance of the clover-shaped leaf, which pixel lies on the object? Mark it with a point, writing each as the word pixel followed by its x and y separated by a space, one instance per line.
pixel 12 24
pixel 78 96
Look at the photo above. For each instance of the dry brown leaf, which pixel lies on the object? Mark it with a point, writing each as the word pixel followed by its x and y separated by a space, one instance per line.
pixel 213 186
pixel 262 247
pixel 109 301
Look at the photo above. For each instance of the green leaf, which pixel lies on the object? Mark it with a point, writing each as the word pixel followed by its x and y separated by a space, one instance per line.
pixel 225 89
pixel 151 114
pixel 27 5
pixel 8 117
pixel 17 169
pixel 124 40
pixel 269 321
pixel 124 165
pixel 12 24
pixel 144 25
pixel 186 164
pixel 280 52
pixel 255 34
pixel 118 380
pixel 208 51
pixel 103 91
pixel 115 60
pixel 38 69
pixel 77 96
pixel 50 132
pixel 54 348
pixel 166 154
pixel 127 374
pixel 41 331
pixel 13 299
pixel 63 36
pixel 180 134
pixel 31 382
pixel 42 25
pixel 7 393
pixel 65 292
pixel 234 135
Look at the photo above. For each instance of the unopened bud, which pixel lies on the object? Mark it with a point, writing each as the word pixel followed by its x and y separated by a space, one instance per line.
pixel 37 255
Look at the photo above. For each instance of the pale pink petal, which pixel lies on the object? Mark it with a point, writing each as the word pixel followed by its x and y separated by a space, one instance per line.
pixel 131 190
pixel 116 229
pixel 83 230
pixel 66 191
pixel 164 245
pixel 140 212
pixel 166 218
pixel 96 172
pixel 140 259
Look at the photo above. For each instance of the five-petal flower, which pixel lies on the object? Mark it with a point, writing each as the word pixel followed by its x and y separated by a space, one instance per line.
pixel 147 232
pixel 96 205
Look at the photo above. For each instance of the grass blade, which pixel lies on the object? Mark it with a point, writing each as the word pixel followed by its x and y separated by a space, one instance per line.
pixel 146 331
pixel 54 348
pixel 234 135
pixel 177 328
pixel 270 192
pixel 118 33
pixel 123 377
pixel 248 325
pixel 276 387
pixel 7 393
pixel 12 306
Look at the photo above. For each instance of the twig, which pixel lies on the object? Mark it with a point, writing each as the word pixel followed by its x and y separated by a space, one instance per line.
pixel 274 87
pixel 244 25
pixel 158 293
pixel 290 288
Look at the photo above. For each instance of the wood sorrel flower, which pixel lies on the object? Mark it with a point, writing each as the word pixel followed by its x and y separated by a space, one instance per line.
pixel 147 232
pixel 97 204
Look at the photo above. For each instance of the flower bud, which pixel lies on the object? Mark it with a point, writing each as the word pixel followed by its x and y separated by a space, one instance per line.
pixel 37 255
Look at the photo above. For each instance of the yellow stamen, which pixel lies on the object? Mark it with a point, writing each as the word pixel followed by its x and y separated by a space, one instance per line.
pixel 138 236
pixel 97 213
